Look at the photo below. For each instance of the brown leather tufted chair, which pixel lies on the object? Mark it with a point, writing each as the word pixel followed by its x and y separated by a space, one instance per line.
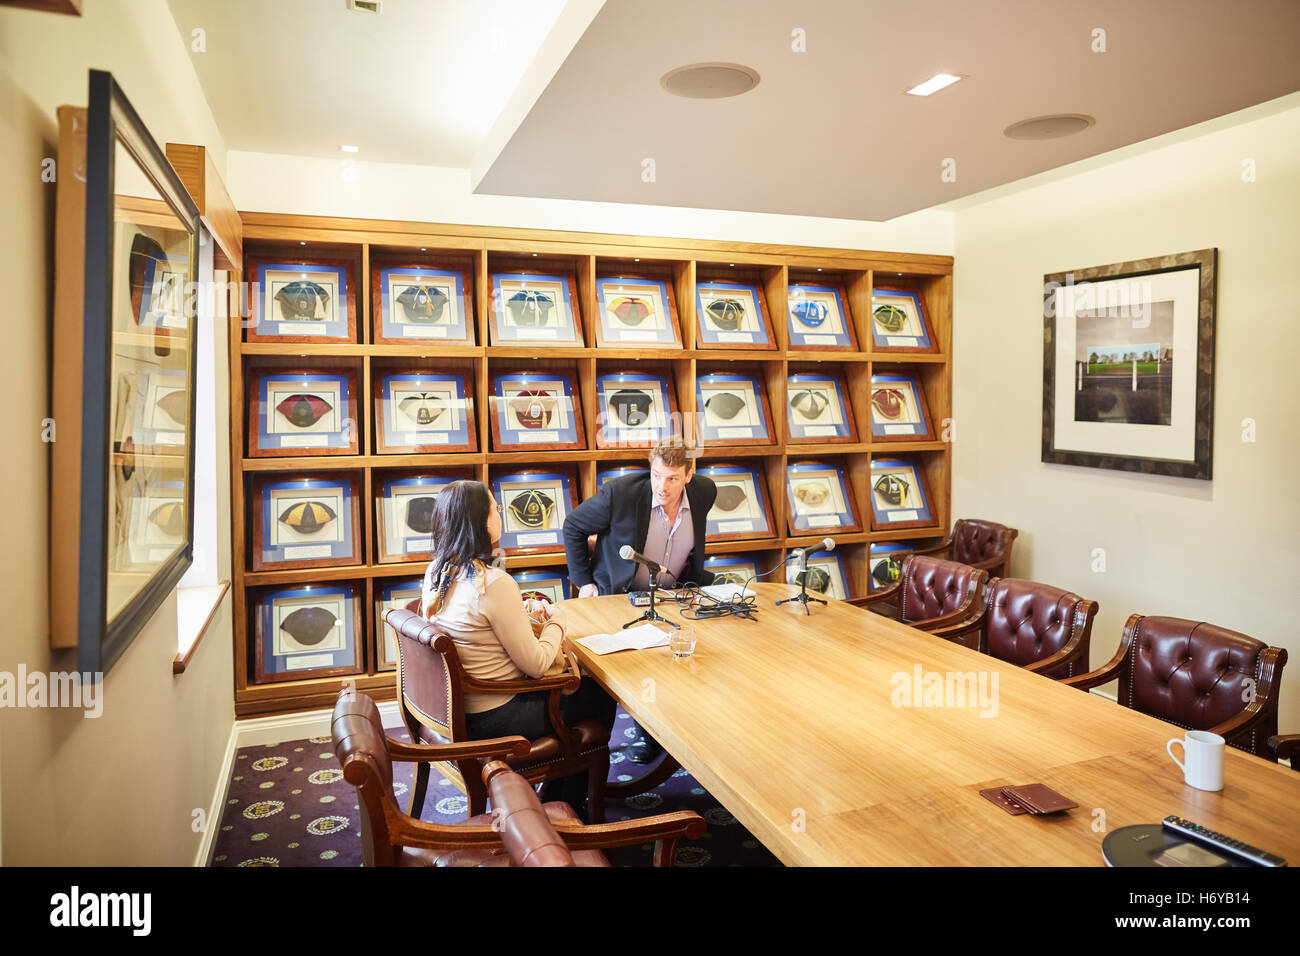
pixel 1286 747
pixel 430 691
pixel 520 830
pixel 1034 626
pixel 981 544
pixel 1194 675
pixel 932 594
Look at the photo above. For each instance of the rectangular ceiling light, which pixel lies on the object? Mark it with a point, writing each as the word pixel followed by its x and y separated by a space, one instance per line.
pixel 934 84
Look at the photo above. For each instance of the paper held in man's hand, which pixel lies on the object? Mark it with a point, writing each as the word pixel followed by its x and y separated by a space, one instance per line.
pixel 634 638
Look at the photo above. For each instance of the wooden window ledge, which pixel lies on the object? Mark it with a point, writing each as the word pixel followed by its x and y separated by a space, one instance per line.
pixel 195 609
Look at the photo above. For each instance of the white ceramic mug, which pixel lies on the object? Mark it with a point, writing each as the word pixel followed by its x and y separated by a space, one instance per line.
pixel 1202 761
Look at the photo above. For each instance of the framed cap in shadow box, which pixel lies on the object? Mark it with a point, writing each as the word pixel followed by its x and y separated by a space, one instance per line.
pixel 308 631
pixel 551 584
pixel 732 315
pixel 404 513
pixel 536 410
pixel 418 304
pixel 885 563
pixel 391 595
pixel 301 300
pixel 619 471
pixel 741 509
pixel 819 318
pixel 306 522
pixel 536 309
pixel 898 409
pixel 899 322
pixel 637 312
pixel 899 495
pixel 825 575
pixel 154 527
pixel 417 412
pixel 534 506
pixel 636 410
pixel 818 410
pixel 302 412
pixel 819 499
pixel 731 569
pixel 154 411
pixel 733 410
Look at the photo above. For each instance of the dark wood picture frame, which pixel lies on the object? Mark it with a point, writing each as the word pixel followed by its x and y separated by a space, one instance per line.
pixel 604 340
pixel 846 409
pixel 764 409
pixel 922 408
pixel 1202 465
pixel 260 674
pixel 254 403
pixel 255 303
pixel 764 319
pixel 709 469
pixel 846 486
pixel 922 316
pixel 571 483
pixel 922 484
pixel 497 323
pixel 495 402
pixel 379 375
pixel 671 413
pixel 381 480
pixel 846 317
pixel 466 273
pixel 354 516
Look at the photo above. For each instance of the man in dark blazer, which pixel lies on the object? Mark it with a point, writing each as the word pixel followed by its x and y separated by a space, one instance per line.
pixel 662 515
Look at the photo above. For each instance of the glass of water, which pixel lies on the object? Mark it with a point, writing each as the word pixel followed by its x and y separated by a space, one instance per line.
pixel 682 641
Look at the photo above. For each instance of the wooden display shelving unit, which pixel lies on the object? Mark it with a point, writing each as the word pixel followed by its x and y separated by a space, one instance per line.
pixel 680 262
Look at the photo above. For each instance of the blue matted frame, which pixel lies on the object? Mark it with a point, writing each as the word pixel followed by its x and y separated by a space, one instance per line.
pixel 509 487
pixel 345 550
pixel 800 520
pixel 756 403
pixel 759 524
pixel 803 429
pixel 752 338
pixel 884 341
pixel 807 318
pixel 568 327
pixel 512 435
pixel 270 666
pixel 412 544
pixel 617 335
pixel 824 558
pixel 887 554
pixel 537 580
pixel 613 432
pixel 916 509
pixel 340 328
pixel 342 440
pixel 722 563
pixel 457 331
pixel 883 429
pixel 619 472
pixel 417 439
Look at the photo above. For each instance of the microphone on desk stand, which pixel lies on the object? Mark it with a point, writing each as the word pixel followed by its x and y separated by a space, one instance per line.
pixel 803 597
pixel 627 554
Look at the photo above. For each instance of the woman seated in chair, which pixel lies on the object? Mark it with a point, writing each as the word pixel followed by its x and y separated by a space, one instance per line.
pixel 497 636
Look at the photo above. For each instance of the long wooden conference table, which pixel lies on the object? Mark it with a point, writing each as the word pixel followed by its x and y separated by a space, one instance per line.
pixel 810 731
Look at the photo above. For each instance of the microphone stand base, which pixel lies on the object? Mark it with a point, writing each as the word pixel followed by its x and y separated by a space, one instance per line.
pixel 803 597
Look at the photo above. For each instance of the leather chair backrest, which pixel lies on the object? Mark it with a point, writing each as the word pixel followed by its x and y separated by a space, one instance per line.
pixel 424 674
pixel 932 587
pixel 974 541
pixel 1189 673
pixel 358 733
pixel 526 831
pixel 1028 621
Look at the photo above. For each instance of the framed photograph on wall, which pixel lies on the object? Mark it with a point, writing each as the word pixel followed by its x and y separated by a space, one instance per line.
pixel 733 410
pixel 636 410
pixel 818 409
pixel 636 311
pixel 819 499
pixel 419 412
pixel 825 574
pixel 404 513
pixel 731 569
pixel 302 412
pixel 534 505
pixel 900 497
pixel 535 308
pixel 306 522
pixel 551 584
pixel 819 318
pixel 741 509
pixel 414 303
pixel 732 315
pixel 536 410
pixel 899 322
pixel 305 300
pixel 1128 366
pixel 898 409
pixel 307 631
pixel 391 595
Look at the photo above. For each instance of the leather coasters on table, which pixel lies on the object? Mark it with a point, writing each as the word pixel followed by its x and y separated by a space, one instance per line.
pixel 1035 798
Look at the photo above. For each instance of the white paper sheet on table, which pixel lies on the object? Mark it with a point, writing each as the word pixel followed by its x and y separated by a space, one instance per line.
pixel 727 592
pixel 634 638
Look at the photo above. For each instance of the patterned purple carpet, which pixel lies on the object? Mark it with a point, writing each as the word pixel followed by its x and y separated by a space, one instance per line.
pixel 289 805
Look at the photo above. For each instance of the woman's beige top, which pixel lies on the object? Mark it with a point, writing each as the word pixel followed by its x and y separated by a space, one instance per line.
pixel 495 638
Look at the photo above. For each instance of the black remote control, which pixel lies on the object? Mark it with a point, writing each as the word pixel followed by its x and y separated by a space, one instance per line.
pixel 1217 841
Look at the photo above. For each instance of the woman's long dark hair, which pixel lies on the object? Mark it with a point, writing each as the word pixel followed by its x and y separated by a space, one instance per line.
pixel 460 535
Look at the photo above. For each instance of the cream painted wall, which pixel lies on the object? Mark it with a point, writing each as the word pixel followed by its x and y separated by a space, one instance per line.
pixel 1227 550
pixel 119 789
pixel 268 182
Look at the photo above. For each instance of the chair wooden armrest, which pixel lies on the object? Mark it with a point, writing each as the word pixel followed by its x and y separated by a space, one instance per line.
pixel 953 619
pixel 408 831
pixel 888 593
pixel 466 750
pixel 1286 747
pixel 665 830
pixel 1063 656
pixel 963 629
pixel 569 680
pixel 1242 723
pixel 941 548
pixel 1107 672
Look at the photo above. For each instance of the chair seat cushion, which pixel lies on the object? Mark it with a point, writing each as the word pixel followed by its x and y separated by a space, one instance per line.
pixel 497 856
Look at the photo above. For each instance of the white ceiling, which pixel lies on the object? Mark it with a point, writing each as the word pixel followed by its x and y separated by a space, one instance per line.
pixel 540 98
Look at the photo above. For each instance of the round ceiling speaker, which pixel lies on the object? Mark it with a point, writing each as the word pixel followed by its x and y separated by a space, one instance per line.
pixel 1049 127
pixel 709 81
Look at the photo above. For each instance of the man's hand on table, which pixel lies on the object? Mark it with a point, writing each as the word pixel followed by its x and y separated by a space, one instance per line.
pixel 588 590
